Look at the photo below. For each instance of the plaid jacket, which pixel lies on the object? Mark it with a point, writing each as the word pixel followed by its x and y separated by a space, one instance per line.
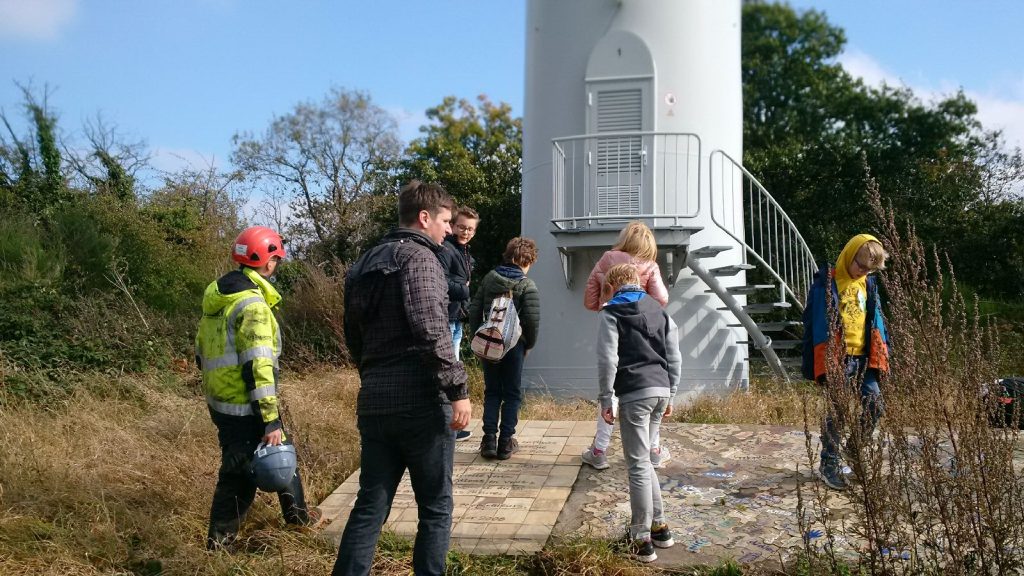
pixel 396 327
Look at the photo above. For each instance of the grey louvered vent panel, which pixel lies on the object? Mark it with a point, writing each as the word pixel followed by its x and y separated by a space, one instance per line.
pixel 618 200
pixel 619 159
pixel 620 110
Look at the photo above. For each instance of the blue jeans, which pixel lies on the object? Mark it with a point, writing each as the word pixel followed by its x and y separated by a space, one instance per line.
pixel 872 408
pixel 640 422
pixel 503 392
pixel 456 330
pixel 424 444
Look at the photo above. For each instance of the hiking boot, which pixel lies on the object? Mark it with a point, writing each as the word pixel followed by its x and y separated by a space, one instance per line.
pixel 833 477
pixel 463 435
pixel 642 550
pixel 595 457
pixel 659 455
pixel 507 447
pixel 661 536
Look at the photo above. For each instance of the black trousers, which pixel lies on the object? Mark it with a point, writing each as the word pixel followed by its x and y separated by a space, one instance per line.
pixel 236 489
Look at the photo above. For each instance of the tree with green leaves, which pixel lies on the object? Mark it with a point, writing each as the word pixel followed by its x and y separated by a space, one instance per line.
pixel 31 168
pixel 334 159
pixel 475 152
pixel 809 128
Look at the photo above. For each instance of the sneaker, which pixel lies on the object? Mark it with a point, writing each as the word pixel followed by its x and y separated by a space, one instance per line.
pixel 489 446
pixel 660 455
pixel 462 435
pixel 661 536
pixel 642 550
pixel 833 477
pixel 595 457
pixel 507 447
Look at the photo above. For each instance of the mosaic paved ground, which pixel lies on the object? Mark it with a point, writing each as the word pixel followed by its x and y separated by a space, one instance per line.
pixel 729 492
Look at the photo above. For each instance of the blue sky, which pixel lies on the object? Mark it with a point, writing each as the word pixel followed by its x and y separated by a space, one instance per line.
pixel 185 75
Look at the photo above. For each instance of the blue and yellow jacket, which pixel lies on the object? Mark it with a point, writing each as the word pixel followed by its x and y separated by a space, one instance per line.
pixel 817 332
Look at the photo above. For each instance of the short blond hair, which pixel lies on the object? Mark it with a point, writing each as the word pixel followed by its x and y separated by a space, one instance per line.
pixel 637 240
pixel 873 254
pixel 620 275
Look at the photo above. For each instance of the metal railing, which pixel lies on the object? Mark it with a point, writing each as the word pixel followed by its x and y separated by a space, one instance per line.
pixel 615 176
pixel 742 207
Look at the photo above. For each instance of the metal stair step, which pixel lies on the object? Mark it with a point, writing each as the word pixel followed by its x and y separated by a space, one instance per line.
pixel 709 251
pixel 778 325
pixel 791 362
pixel 786 344
pixel 731 270
pixel 762 308
pixel 745 290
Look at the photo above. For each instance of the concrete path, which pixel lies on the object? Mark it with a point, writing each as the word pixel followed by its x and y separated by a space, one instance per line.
pixel 730 492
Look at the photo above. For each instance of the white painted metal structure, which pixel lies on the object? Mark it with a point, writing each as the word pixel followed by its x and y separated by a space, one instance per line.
pixel 626 102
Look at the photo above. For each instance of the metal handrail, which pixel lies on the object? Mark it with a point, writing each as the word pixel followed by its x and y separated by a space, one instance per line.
pixel 768 234
pixel 663 170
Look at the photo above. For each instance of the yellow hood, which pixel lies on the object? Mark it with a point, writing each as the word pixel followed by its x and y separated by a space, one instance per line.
pixel 843 279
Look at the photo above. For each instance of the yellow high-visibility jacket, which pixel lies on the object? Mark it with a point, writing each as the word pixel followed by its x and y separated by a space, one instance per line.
pixel 238 345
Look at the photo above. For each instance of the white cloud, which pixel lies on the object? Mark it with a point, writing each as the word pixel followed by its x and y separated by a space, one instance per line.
pixel 409 122
pixel 1002 110
pixel 35 19
pixel 996 112
pixel 861 65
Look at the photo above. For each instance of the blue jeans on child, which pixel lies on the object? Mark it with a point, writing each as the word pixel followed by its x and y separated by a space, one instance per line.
pixel 640 422
pixel 872 409
pixel 424 444
pixel 456 330
pixel 503 392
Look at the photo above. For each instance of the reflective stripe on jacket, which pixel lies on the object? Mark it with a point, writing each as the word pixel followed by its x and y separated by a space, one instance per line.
pixel 238 345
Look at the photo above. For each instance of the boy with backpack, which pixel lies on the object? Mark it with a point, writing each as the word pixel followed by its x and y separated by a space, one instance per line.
pixel 638 360
pixel 503 392
pixel 849 335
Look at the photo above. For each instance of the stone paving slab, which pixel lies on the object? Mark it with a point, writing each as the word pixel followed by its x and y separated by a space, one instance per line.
pixel 501 506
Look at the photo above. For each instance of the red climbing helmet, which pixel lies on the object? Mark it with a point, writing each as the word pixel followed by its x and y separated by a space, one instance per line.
pixel 255 246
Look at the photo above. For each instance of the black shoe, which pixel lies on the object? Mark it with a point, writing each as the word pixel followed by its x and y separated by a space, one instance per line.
pixel 661 536
pixel 489 446
pixel 642 550
pixel 507 447
pixel 462 435
pixel 833 477
pixel 222 541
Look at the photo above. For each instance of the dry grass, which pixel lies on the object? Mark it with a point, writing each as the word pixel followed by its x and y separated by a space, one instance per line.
pixel 118 478
pixel 115 483
pixel 766 402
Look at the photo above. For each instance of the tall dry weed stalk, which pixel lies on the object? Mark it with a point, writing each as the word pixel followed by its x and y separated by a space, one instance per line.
pixel 938 490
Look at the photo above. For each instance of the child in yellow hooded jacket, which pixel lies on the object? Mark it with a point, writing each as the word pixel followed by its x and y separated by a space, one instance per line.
pixel 859 345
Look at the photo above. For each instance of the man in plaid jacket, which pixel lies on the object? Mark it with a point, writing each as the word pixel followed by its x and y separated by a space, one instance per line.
pixel 413 394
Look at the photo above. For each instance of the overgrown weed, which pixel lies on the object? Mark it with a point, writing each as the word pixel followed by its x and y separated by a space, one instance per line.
pixel 940 486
